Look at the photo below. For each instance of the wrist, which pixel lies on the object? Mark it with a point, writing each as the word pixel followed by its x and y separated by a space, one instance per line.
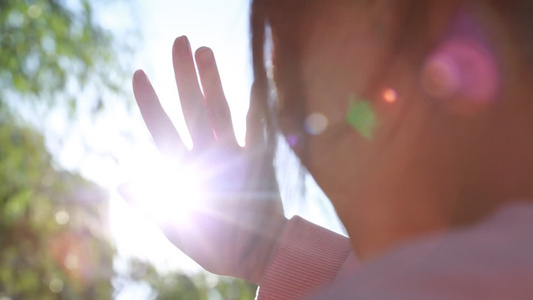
pixel 262 249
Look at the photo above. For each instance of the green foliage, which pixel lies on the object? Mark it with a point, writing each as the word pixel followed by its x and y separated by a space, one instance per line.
pixel 361 117
pixel 53 242
pixel 51 233
pixel 199 286
pixel 50 52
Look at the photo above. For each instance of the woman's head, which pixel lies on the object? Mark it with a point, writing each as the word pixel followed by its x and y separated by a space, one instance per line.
pixel 385 103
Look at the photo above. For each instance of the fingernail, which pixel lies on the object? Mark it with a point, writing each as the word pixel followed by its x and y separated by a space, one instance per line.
pixel 204 56
pixel 182 45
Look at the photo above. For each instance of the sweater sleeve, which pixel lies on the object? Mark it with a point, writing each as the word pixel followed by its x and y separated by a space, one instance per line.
pixel 306 258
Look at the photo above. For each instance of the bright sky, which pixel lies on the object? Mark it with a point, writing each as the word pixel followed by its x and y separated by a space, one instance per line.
pixel 221 25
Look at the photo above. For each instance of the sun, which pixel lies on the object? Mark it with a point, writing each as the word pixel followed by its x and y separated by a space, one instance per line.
pixel 165 191
pixel 154 192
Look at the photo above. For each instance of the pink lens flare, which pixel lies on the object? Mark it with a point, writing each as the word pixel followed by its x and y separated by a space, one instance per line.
pixel 462 65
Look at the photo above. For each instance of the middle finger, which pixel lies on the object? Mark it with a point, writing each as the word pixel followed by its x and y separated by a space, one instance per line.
pixel 191 98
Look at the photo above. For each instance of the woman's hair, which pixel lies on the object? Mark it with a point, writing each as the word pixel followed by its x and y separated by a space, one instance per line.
pixel 512 17
pixel 263 13
pixel 262 89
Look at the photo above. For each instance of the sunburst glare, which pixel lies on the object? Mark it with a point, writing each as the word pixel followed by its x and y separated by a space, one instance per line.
pixel 165 191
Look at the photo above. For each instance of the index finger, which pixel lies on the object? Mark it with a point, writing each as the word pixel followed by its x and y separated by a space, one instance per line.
pixel 157 121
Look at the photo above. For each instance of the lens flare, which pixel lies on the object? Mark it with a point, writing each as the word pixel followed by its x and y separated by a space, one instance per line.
pixel 56 285
pixel 292 140
pixel 462 66
pixel 441 77
pixel 361 117
pixel 390 95
pixel 166 192
pixel 62 217
pixel 75 253
pixel 315 124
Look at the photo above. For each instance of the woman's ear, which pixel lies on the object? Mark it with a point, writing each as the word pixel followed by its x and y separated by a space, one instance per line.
pixel 462 71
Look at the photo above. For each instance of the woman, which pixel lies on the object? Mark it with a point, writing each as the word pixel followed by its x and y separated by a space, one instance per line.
pixel 426 156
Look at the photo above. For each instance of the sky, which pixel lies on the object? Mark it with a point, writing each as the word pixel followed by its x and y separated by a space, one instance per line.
pixel 221 25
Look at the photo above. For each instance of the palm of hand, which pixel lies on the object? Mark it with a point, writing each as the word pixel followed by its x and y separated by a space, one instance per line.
pixel 234 229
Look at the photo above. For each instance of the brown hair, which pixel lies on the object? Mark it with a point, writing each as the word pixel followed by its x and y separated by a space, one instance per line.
pixel 512 17
pixel 262 13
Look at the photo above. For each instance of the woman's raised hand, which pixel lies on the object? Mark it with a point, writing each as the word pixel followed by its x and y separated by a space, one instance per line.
pixel 234 230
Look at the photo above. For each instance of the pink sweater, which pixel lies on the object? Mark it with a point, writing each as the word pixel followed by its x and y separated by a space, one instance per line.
pixel 491 260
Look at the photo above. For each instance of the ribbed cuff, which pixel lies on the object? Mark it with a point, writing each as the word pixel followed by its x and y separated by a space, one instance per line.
pixel 307 257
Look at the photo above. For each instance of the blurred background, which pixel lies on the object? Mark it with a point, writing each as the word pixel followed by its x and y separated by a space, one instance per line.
pixel 70 133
